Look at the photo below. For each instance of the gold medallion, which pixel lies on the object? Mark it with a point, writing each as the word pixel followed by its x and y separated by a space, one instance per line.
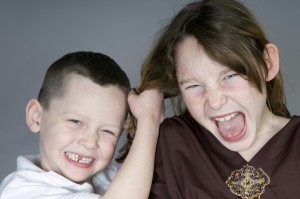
pixel 248 182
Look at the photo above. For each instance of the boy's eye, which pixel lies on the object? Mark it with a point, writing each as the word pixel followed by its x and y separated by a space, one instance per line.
pixel 76 121
pixel 108 131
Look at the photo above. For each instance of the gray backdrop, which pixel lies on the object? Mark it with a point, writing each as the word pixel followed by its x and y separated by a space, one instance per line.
pixel 35 33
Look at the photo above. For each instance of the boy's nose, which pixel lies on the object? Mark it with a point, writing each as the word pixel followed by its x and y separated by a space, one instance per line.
pixel 89 141
pixel 215 98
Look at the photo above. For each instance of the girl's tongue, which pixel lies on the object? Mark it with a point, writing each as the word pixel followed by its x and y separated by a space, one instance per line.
pixel 232 129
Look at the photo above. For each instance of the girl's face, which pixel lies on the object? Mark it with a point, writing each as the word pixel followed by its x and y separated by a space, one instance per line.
pixel 220 99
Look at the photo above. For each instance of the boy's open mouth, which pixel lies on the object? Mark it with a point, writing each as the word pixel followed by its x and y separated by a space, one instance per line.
pixel 77 158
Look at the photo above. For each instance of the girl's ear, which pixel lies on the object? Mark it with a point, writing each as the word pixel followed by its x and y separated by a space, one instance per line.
pixel 271 56
pixel 33 115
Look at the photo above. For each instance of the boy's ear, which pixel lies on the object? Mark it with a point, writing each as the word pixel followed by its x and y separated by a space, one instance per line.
pixel 33 115
pixel 271 56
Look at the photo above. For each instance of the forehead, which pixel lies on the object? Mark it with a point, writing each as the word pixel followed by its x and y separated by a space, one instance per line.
pixel 190 56
pixel 194 65
pixel 189 52
pixel 84 96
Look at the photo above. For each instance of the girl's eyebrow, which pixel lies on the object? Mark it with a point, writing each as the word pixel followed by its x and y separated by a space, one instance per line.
pixel 187 80
pixel 226 70
pixel 223 72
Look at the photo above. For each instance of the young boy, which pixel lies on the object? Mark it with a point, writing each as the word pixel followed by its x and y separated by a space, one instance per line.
pixel 80 114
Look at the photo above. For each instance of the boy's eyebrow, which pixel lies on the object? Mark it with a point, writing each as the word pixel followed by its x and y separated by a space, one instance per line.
pixel 74 115
pixel 70 112
pixel 107 124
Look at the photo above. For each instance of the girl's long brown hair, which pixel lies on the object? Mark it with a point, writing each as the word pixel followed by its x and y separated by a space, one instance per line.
pixel 229 34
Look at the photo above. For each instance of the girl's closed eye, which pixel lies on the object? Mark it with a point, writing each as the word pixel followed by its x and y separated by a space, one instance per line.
pixel 192 86
pixel 231 76
pixel 231 81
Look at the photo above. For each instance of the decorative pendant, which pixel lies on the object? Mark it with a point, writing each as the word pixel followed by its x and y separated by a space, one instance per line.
pixel 248 182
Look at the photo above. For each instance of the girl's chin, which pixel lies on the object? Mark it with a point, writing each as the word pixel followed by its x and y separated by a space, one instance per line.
pixel 241 146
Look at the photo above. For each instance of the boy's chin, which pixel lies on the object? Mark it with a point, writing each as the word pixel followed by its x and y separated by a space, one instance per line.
pixel 79 179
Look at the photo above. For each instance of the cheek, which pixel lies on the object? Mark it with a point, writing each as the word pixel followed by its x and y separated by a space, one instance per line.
pixel 107 146
pixel 246 93
pixel 56 136
pixel 239 87
pixel 257 100
pixel 196 107
pixel 193 101
pixel 48 137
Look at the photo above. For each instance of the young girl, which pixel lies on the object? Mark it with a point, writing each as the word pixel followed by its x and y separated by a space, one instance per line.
pixel 236 138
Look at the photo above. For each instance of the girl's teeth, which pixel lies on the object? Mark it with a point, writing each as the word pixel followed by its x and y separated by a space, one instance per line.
pixel 76 158
pixel 227 118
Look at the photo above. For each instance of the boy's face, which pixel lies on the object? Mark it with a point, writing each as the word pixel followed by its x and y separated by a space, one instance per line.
pixel 79 132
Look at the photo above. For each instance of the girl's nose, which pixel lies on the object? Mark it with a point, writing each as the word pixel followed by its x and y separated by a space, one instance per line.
pixel 215 98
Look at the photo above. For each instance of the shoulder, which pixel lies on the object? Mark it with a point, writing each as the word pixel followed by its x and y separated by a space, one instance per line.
pixel 25 167
pixel 177 124
pixel 295 119
pixel 293 124
pixel 288 129
pixel 13 185
pixel 35 185
pixel 179 129
pixel 31 181
pixel 177 121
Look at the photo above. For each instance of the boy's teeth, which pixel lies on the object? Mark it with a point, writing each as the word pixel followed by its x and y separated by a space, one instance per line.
pixel 227 118
pixel 77 158
pixel 86 160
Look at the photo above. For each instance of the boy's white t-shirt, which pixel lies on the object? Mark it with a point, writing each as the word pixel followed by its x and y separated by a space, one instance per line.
pixel 30 181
